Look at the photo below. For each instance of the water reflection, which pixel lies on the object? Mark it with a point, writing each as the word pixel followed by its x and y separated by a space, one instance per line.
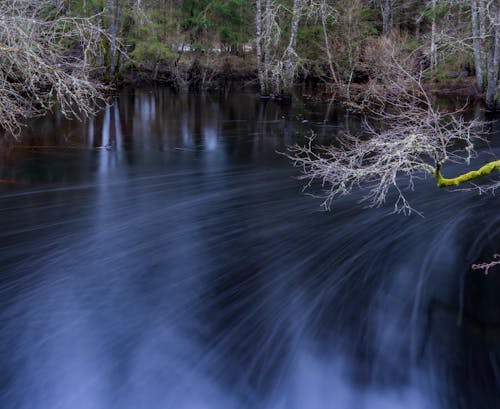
pixel 162 256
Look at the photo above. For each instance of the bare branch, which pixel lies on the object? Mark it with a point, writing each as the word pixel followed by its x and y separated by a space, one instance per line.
pixel 487 265
pixel 46 58
pixel 405 137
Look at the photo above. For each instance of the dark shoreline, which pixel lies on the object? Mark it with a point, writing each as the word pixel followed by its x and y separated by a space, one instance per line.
pixel 462 88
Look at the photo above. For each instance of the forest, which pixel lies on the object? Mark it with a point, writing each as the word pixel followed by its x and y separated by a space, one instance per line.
pixel 190 44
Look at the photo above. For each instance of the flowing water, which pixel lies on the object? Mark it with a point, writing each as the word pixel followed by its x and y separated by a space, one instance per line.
pixel 162 255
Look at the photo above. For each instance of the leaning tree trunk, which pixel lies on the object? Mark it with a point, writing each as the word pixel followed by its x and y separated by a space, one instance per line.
pixel 324 22
pixel 494 58
pixel 477 43
pixel 290 61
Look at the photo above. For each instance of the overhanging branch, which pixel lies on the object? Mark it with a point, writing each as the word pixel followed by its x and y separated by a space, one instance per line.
pixel 485 170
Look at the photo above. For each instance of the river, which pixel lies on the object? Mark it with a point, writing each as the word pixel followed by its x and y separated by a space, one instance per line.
pixel 162 255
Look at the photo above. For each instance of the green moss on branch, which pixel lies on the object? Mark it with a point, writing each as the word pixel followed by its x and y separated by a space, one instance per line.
pixel 466 177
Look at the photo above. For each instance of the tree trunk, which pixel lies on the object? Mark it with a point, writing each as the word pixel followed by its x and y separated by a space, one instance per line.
pixel 494 58
pixel 290 63
pixel 482 32
pixel 114 17
pixel 267 44
pixel 434 51
pixel 386 9
pixel 258 47
pixel 497 108
pixel 477 44
pixel 327 45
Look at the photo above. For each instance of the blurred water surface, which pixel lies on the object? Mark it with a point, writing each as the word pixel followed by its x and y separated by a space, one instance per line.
pixel 162 255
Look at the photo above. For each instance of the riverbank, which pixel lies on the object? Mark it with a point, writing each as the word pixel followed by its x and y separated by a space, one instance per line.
pixel 204 73
pixel 235 72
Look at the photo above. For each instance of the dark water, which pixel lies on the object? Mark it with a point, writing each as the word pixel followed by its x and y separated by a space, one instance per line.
pixel 163 256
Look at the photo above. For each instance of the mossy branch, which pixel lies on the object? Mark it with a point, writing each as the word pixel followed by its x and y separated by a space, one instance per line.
pixel 485 170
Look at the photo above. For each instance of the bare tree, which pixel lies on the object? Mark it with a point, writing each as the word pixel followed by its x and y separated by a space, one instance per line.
pixel 268 34
pixel 493 86
pixel 271 37
pixel 434 50
pixel 416 139
pixel 258 47
pixel 46 58
pixel 114 11
pixel 290 55
pixel 327 13
pixel 276 62
pixel 485 23
pixel 478 40
pixel 348 37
